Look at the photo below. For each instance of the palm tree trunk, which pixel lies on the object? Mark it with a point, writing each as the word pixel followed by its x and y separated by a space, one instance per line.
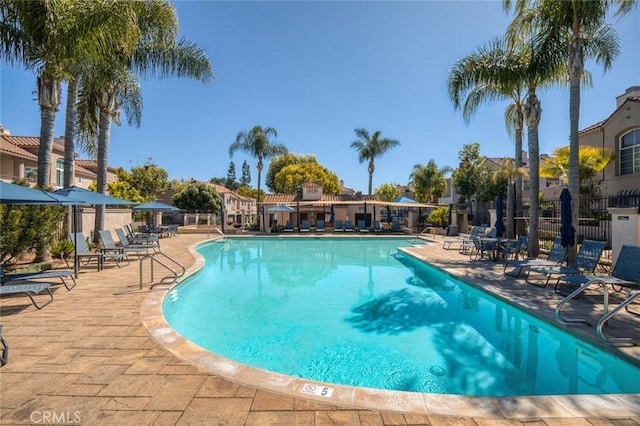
pixel 371 170
pixel 70 133
pixel 49 100
pixel 533 114
pixel 259 167
pixel 103 152
pixel 519 223
pixel 576 68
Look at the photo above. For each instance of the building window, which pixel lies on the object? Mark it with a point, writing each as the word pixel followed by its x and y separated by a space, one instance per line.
pixel 630 153
pixel 59 172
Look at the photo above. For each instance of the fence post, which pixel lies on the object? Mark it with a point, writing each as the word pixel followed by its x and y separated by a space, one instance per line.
pixel 625 229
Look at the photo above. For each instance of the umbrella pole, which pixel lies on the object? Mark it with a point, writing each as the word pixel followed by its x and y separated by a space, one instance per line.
pixel 75 243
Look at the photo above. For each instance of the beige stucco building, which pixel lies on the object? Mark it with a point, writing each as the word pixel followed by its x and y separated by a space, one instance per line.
pixel 619 132
pixel 19 160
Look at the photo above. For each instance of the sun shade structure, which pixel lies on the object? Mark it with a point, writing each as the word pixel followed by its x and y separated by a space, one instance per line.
pixel 92 198
pixel 18 194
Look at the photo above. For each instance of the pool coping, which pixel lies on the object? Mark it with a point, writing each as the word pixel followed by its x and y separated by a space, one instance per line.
pixel 520 407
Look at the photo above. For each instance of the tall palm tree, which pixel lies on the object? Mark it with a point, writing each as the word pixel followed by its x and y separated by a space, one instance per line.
pixel 110 84
pixel 370 147
pixel 48 37
pixel 430 181
pixel 257 143
pixel 570 32
pixel 491 74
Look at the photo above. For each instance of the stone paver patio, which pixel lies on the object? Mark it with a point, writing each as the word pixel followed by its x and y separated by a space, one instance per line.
pixel 87 359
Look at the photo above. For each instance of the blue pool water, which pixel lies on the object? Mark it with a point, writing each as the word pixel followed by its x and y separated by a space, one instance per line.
pixel 353 311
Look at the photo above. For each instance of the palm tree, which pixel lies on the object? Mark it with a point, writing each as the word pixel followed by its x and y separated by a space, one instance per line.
pixel 48 38
pixel 430 182
pixel 109 85
pixel 491 74
pixel 592 161
pixel 256 142
pixel 569 32
pixel 370 147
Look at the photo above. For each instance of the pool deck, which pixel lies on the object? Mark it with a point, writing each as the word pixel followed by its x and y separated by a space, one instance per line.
pixel 102 354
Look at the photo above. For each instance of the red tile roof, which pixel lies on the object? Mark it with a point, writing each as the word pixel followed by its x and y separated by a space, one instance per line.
pixel 13 149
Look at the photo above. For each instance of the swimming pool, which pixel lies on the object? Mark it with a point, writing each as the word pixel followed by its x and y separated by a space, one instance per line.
pixel 395 322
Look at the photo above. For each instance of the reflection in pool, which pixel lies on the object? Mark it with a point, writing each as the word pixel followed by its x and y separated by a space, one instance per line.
pixel 355 312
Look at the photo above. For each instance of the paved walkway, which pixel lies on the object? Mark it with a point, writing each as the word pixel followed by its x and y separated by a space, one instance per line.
pixel 86 358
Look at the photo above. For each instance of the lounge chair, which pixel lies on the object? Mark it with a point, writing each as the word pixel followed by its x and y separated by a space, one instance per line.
pixel 557 255
pixel 125 242
pixel 110 246
pixel 626 274
pixel 337 227
pixel 30 289
pixel 4 357
pixel 63 274
pixel 395 227
pixel 304 226
pixel 585 264
pixel 362 227
pixel 319 225
pixel 348 226
pixel 376 227
pixel 83 252
pixel 138 238
pixel 288 227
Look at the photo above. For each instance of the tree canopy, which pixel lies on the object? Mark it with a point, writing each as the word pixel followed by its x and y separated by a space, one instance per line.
pixel 290 178
pixel 198 197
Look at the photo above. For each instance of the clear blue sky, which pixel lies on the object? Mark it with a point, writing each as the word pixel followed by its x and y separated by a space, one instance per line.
pixel 315 71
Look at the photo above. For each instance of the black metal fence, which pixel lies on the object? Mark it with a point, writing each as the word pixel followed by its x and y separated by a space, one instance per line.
pixel 594 221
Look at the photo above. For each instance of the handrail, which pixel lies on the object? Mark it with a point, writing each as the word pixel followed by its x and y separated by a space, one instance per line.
pixel 613 313
pixel 164 280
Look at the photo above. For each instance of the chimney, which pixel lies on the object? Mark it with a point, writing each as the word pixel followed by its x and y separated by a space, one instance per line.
pixel 632 91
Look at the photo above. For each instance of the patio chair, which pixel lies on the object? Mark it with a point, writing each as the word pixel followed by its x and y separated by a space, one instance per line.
pixel 319 225
pixel 83 253
pixel 63 274
pixel 29 289
pixel 125 242
pixel 138 238
pixel 625 274
pixel 376 227
pixel 480 248
pixel 288 227
pixel 362 227
pixel 304 226
pixel 4 357
pixel 585 264
pixel 110 246
pixel 395 227
pixel 557 255
pixel 337 226
pixel 348 226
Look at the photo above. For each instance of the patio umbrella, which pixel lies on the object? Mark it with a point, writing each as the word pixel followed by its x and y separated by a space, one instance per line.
pixel 333 215
pixel 89 198
pixel 92 198
pixel 155 206
pixel 388 213
pixel 18 194
pixel 281 208
pixel 567 231
pixel 499 224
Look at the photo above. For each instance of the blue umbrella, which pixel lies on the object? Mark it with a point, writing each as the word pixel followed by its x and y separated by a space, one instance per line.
pixel 567 231
pixel 155 206
pixel 91 197
pixel 499 208
pixel 333 215
pixel 18 194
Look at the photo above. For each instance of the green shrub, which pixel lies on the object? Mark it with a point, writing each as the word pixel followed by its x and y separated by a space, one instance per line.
pixel 439 217
pixel 62 249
